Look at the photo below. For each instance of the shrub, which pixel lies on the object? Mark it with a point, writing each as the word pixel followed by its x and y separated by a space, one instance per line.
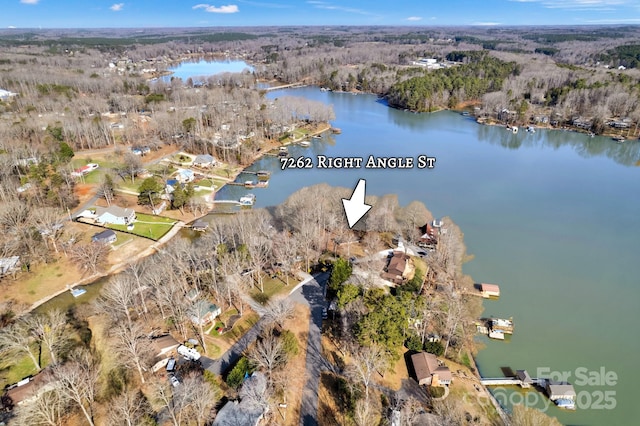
pixel 435 348
pixel 237 373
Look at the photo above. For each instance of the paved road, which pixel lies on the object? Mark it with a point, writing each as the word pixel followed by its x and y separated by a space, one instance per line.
pixel 312 294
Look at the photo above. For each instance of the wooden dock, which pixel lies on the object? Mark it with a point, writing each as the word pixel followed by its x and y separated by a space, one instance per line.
pixel 521 379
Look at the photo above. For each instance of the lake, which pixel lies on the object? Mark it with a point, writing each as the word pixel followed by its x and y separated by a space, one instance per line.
pixel 205 68
pixel 551 216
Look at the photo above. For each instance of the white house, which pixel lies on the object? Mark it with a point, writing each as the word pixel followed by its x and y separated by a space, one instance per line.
pixel 204 160
pixel 115 215
pixel 9 265
pixel 185 176
pixel 5 95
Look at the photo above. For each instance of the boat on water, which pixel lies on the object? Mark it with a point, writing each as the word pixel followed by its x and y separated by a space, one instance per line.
pixel 316 137
pixel 77 291
pixel 305 143
pixel 263 175
pixel 531 129
pixel 499 324
pixel 568 404
pixel 249 184
pixel 619 139
pixel 261 184
pixel 248 200
pixel 496 334
pixel 283 152
pixel 514 129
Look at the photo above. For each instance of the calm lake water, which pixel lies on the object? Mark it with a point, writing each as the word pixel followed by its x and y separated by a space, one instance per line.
pixel 206 68
pixel 553 217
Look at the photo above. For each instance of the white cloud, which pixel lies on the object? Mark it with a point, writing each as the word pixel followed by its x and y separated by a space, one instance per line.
pixel 117 7
pixel 486 24
pixel 11 27
pixel 329 6
pixel 614 21
pixel 231 8
pixel 585 5
pixel 414 18
pixel 29 1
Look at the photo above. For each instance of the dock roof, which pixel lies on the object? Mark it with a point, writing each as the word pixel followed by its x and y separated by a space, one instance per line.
pixel 495 288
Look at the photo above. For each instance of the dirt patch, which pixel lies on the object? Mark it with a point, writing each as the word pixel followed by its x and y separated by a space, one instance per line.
pixel 84 192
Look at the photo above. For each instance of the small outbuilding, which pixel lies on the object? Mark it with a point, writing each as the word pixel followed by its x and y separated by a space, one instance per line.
pixel 489 290
pixel 560 390
pixel 105 237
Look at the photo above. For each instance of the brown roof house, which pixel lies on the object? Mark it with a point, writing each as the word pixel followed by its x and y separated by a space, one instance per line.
pixel 428 371
pixel 29 390
pixel 399 269
pixel 164 345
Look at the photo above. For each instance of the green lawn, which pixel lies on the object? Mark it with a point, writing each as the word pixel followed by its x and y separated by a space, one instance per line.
pixel 95 176
pixel 272 286
pixel 207 182
pixel 241 327
pixel 153 227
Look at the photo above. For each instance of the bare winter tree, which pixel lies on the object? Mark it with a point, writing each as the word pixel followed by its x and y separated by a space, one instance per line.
pixel 49 329
pixel 89 257
pixel 117 298
pixel 364 413
pixel 77 381
pixel 49 409
pixel 268 353
pixel 365 362
pixel 193 400
pixel 16 342
pixel 204 398
pixel 130 408
pixel 134 346
pixel 278 310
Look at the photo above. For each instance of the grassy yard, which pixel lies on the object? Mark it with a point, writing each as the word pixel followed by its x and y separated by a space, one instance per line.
pixel 43 280
pixel 22 368
pixel 272 286
pixel 208 183
pixel 240 328
pixel 153 227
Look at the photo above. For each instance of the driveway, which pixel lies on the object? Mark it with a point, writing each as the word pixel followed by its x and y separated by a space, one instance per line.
pixel 312 294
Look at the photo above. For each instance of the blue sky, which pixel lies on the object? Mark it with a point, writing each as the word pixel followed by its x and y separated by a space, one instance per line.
pixel 184 13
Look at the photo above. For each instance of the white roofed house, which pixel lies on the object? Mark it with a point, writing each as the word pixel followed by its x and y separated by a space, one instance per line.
pixel 115 215
pixel 6 95
pixel 204 160
pixel 9 265
pixel 185 176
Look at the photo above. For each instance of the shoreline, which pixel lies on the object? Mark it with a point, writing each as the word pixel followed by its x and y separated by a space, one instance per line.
pixel 154 248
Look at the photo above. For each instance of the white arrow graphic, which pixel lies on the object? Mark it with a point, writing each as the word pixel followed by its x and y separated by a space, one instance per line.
pixel 355 207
